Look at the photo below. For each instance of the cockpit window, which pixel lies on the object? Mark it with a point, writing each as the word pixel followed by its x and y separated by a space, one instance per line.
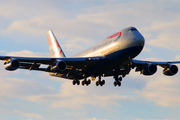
pixel 132 29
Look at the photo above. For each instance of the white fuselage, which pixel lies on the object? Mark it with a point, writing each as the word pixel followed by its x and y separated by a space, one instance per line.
pixel 127 38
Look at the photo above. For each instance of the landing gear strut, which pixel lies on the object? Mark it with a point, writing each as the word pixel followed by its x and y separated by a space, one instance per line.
pixel 100 82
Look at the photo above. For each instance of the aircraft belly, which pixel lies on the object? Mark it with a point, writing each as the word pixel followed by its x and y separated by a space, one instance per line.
pixel 112 61
pixel 124 54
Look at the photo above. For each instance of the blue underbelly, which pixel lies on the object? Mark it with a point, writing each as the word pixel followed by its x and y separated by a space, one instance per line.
pixel 124 54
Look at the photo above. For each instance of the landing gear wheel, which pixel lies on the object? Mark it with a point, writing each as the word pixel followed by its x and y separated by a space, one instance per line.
pixel 86 82
pixel 83 83
pixel 74 82
pixel 78 82
pixel 89 81
pixel 119 84
pixel 115 83
pixel 97 83
pixel 103 82
pixel 120 79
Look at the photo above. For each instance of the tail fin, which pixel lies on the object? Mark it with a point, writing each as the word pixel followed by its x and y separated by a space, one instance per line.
pixel 54 47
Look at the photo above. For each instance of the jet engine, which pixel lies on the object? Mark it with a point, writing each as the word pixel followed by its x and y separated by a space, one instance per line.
pixel 12 65
pixel 150 69
pixel 58 66
pixel 170 70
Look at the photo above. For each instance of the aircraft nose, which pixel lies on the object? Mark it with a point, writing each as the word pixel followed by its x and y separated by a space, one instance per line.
pixel 140 39
pixel 136 36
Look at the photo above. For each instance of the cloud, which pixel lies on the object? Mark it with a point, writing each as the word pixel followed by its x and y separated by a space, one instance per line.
pixel 166 26
pixel 155 119
pixel 27 53
pixel 98 22
pixel 14 88
pixel 70 96
pixel 165 34
pixel 168 35
pixel 166 40
pixel 77 44
pixel 30 115
pixel 73 34
pixel 162 90
pixel 177 57
pixel 96 119
pixel 14 11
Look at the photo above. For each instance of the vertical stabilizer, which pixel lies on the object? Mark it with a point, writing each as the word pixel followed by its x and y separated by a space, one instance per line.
pixel 54 47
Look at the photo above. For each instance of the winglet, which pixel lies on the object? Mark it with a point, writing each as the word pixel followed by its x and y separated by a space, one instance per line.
pixel 54 47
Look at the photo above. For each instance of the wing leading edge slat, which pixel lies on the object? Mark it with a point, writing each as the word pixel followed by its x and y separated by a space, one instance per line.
pixel 141 62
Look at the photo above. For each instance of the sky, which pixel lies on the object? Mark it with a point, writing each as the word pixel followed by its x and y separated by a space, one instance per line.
pixel 78 25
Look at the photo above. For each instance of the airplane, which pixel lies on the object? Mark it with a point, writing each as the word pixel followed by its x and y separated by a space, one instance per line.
pixel 113 56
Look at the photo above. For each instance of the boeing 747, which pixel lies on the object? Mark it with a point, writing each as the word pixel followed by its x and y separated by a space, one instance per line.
pixel 113 56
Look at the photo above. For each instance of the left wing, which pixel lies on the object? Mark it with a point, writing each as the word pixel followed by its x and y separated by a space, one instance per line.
pixel 150 67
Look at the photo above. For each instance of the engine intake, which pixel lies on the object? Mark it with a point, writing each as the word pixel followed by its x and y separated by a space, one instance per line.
pixel 12 65
pixel 150 69
pixel 59 66
pixel 170 70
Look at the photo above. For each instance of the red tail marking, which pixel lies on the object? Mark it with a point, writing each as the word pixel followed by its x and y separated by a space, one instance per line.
pixel 57 44
pixel 114 35
pixel 49 40
pixel 60 52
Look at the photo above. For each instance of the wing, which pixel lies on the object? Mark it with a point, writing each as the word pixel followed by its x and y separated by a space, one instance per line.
pixel 33 63
pixel 150 67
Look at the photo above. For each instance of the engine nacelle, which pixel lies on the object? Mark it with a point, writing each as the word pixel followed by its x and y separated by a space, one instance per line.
pixel 170 70
pixel 12 65
pixel 150 69
pixel 59 66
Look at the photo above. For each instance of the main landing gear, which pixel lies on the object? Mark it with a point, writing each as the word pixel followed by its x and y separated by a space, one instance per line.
pixel 75 81
pixel 85 81
pixel 117 81
pixel 99 82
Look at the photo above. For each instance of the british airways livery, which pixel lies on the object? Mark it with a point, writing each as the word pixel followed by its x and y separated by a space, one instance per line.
pixel 113 56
